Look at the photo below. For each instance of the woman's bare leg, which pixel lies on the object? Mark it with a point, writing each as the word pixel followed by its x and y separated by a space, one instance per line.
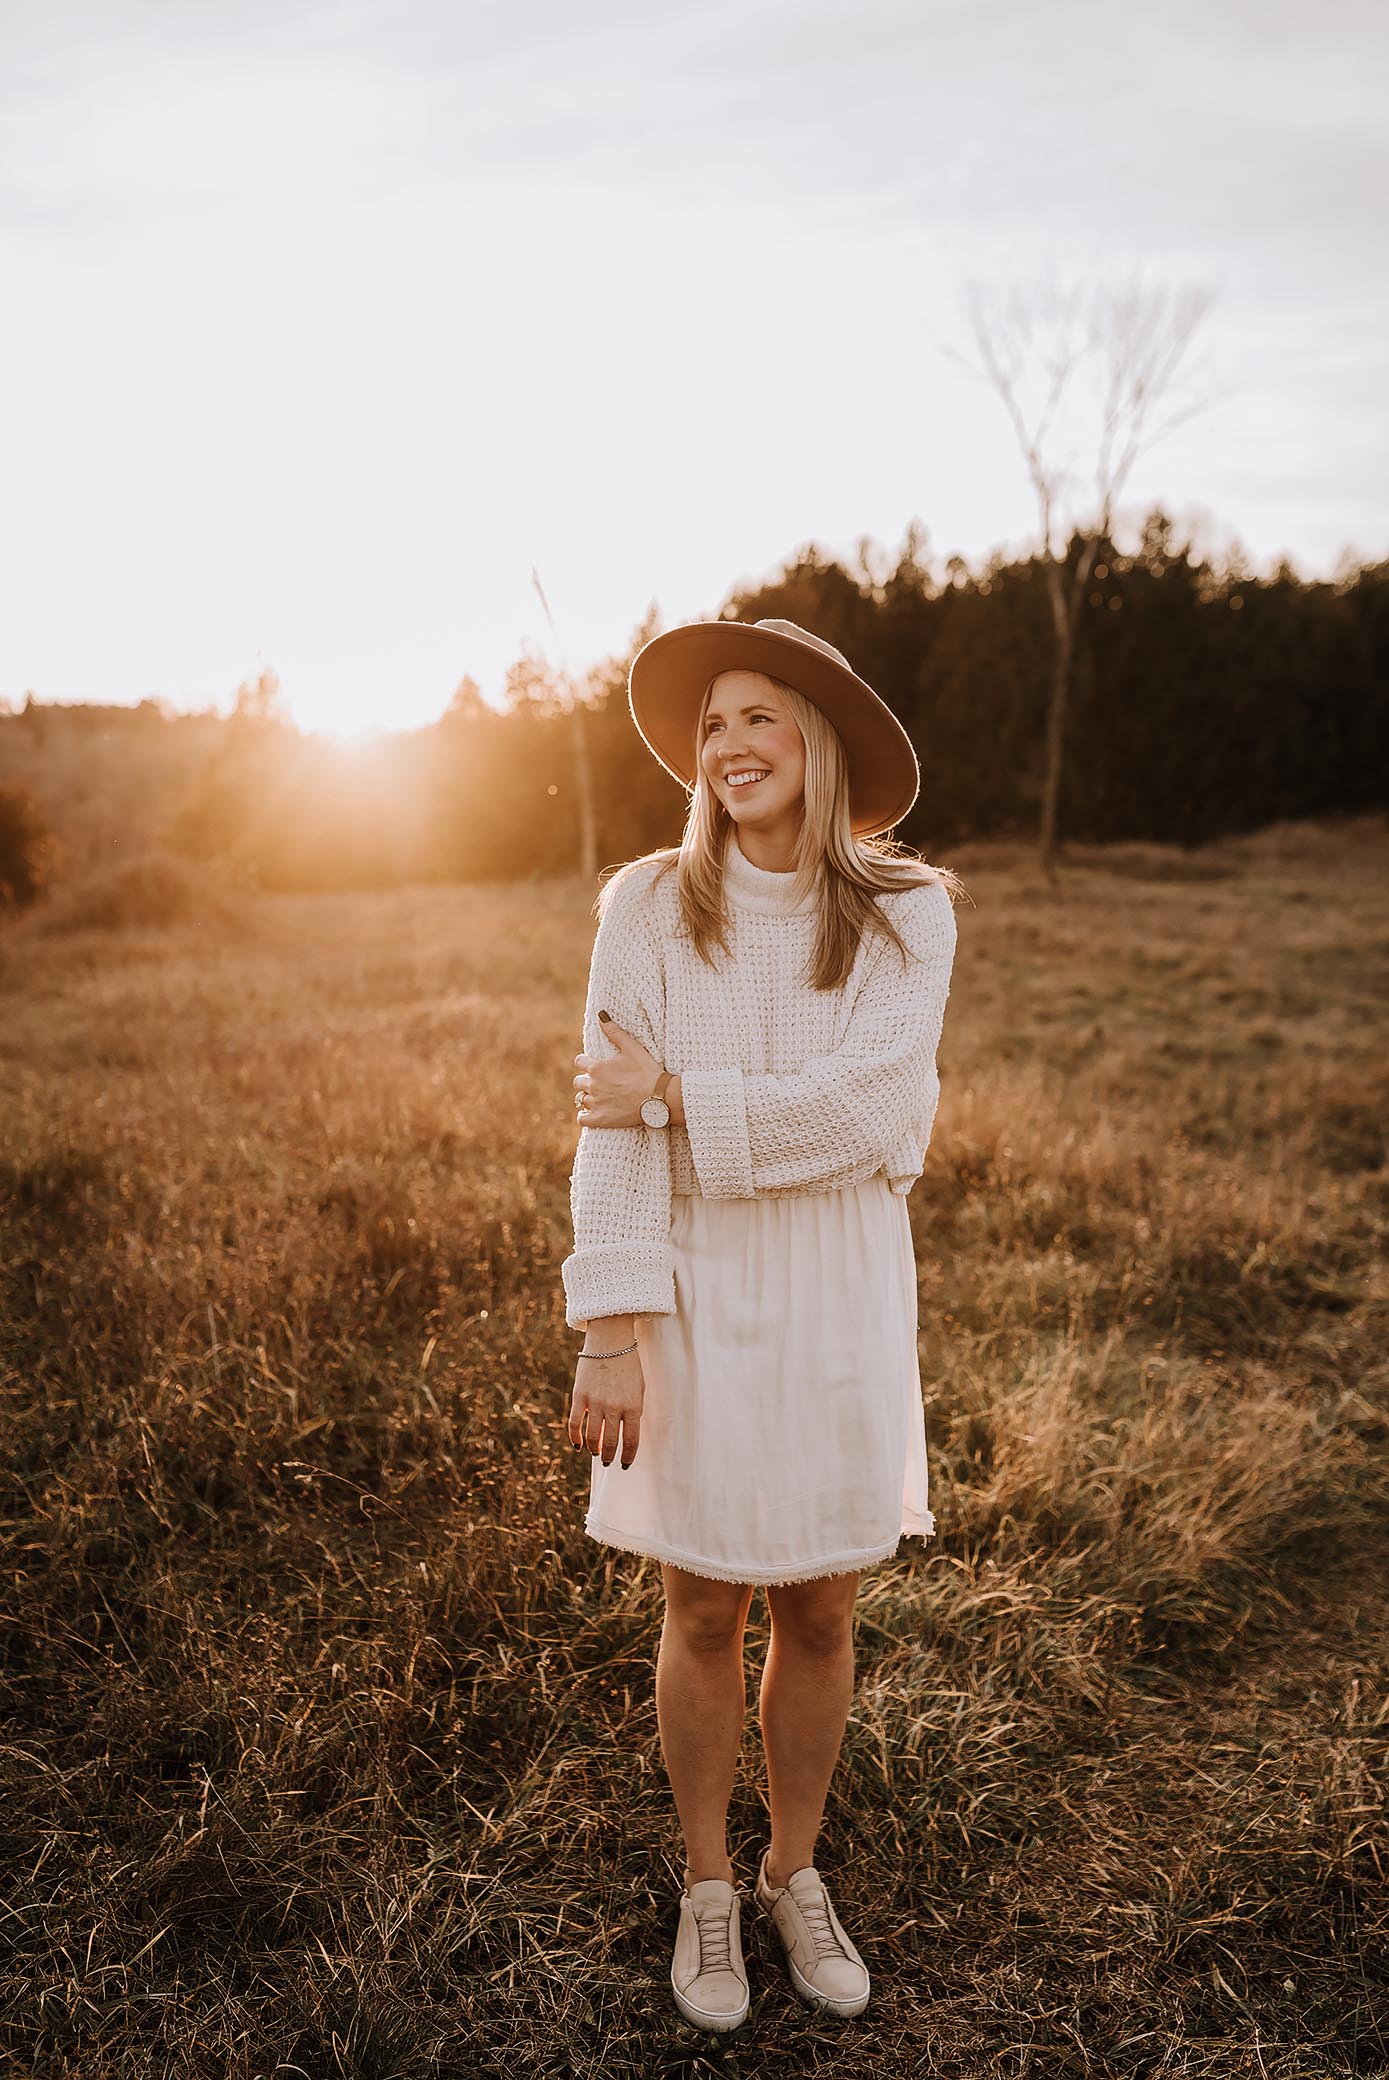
pixel 807 1688
pixel 700 1703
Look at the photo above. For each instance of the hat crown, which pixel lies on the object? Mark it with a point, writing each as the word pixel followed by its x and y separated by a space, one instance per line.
pixel 803 635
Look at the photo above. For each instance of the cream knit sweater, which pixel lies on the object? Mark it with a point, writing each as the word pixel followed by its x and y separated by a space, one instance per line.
pixel 786 1088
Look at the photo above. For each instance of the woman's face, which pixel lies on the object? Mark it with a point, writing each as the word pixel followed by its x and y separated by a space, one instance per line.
pixel 748 729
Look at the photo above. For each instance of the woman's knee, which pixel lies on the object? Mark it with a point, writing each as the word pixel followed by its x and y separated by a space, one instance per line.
pixel 709 1616
pixel 818 1615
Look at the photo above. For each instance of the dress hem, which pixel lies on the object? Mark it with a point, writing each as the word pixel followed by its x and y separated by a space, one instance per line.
pixel 757 1578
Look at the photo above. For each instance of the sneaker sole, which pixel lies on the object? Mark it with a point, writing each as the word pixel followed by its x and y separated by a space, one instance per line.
pixel 704 2018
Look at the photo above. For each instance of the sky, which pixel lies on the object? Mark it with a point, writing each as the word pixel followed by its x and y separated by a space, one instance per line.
pixel 326 324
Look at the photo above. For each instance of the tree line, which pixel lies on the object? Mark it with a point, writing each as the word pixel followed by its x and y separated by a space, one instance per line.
pixel 1205 701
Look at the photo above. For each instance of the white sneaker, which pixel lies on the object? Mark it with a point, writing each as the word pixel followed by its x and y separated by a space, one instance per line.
pixel 826 1970
pixel 707 1975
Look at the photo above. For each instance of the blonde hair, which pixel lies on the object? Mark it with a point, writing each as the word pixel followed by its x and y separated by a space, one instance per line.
pixel 846 872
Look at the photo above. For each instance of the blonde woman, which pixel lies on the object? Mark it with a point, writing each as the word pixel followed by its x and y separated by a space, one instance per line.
pixel 755 1096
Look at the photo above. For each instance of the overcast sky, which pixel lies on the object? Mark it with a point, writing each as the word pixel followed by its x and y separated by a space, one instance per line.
pixel 324 323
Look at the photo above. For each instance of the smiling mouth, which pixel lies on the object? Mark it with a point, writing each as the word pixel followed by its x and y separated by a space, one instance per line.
pixel 735 780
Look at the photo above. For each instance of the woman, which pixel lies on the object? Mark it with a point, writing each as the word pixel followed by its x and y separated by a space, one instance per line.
pixel 755 1096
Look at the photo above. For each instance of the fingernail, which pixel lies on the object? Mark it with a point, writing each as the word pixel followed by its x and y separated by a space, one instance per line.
pixel 603 1017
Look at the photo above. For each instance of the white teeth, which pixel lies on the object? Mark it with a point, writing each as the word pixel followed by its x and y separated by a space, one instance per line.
pixel 745 779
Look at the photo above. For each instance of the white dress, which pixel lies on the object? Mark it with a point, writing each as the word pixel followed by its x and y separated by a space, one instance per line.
pixel 764 1246
pixel 783 1435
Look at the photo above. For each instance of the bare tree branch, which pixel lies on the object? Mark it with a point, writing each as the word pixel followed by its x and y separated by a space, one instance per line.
pixel 1126 344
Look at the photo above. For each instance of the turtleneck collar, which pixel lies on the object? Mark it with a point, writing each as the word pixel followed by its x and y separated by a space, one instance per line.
pixel 759 888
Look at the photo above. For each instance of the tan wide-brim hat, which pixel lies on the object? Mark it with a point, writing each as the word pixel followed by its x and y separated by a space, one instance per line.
pixel 666 691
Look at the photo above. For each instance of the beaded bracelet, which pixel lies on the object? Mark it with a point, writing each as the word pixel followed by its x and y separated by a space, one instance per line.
pixel 609 1354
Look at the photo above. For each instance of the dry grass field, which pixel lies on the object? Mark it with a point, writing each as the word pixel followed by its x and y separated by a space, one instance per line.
pixel 329 1742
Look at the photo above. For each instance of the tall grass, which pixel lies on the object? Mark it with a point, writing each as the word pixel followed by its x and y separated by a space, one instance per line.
pixel 330 1740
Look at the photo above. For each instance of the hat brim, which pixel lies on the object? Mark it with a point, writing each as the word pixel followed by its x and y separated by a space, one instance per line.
pixel 666 690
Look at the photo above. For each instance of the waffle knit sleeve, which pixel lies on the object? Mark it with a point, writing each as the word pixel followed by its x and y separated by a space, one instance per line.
pixel 619 1185
pixel 838 1119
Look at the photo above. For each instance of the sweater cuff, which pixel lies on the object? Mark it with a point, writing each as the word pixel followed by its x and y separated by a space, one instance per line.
pixel 716 1121
pixel 618 1278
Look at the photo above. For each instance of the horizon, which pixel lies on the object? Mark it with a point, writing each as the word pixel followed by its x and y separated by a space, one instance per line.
pixel 365 734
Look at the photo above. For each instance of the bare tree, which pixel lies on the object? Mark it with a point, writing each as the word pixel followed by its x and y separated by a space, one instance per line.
pixel 1123 345
pixel 583 772
pixel 261 700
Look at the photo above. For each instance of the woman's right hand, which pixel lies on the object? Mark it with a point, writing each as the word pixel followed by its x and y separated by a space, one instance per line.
pixel 610 1393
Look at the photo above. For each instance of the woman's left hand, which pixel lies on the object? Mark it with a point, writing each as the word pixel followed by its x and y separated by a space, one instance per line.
pixel 614 1087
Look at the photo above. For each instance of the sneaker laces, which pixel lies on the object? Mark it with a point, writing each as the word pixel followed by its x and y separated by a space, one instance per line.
pixel 816 1910
pixel 715 1925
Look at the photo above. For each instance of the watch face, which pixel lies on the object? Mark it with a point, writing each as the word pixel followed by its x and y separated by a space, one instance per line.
pixel 656 1112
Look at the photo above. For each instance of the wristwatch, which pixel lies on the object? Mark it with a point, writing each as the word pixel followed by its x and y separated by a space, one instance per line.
pixel 655 1110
